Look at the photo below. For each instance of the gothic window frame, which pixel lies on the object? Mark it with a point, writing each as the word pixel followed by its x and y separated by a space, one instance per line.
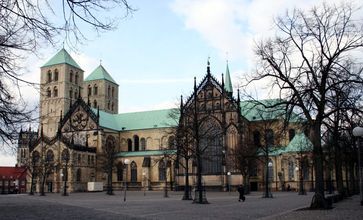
pixel 76 78
pixel 49 76
pixel 162 170
pixel 133 171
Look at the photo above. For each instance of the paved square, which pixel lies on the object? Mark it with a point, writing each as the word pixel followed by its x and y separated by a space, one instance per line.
pixel 154 206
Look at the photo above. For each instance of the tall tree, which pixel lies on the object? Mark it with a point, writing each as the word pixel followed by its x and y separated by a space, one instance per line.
pixel 25 26
pixel 303 61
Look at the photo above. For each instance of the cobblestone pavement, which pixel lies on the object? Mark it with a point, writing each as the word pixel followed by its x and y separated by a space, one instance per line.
pixel 153 205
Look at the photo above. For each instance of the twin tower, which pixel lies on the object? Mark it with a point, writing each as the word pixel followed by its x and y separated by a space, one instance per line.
pixel 62 82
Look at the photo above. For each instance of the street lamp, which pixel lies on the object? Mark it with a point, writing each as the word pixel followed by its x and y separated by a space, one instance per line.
pixel 144 180
pixel 268 193
pixel 126 162
pixel 229 182
pixel 358 132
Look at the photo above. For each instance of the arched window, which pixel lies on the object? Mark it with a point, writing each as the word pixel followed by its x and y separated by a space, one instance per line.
pixel 109 91
pixel 113 92
pixel 75 94
pixel 76 78
pixel 211 144
pixel 133 172
pixel 120 172
pixel 95 103
pixel 55 91
pixel 95 90
pixel 291 169
pixel 49 79
pixel 36 157
pixel 171 142
pixel 49 93
pixel 71 93
pixel 112 107
pixel 78 175
pixel 108 105
pixel 291 134
pixel 162 170
pixel 136 143
pixel 50 156
pixel 56 74
pixel 257 138
pixel 143 143
pixel 71 76
pixel 89 90
pixel 129 145
pixel 269 137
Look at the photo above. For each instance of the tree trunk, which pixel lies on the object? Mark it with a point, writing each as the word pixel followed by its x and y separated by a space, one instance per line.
pixel 318 201
pixel 186 186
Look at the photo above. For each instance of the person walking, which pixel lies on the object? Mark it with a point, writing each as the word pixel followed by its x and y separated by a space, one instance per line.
pixel 241 192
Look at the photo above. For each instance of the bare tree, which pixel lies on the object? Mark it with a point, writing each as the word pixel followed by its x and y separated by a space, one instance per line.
pixel 25 26
pixel 303 61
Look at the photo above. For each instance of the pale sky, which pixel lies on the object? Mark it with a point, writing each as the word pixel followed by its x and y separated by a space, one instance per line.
pixel 155 53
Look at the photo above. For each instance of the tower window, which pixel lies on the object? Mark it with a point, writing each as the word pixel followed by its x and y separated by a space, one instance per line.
pixel 76 78
pixel 49 93
pixel 95 89
pixel 112 106
pixel 109 91
pixel 95 104
pixel 89 90
pixel 49 76
pixel 113 92
pixel 108 105
pixel 71 76
pixel 56 75
pixel 55 92
pixel 70 93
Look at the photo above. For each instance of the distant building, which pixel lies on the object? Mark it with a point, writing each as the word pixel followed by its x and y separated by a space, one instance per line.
pixel 13 180
pixel 79 123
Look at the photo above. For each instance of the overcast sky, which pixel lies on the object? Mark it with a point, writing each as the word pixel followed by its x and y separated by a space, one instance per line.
pixel 155 53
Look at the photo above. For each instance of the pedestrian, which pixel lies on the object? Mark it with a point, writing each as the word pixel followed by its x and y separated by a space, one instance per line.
pixel 241 192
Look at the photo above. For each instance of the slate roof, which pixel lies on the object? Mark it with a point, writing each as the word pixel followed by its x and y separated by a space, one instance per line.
pixel 62 57
pixel 100 73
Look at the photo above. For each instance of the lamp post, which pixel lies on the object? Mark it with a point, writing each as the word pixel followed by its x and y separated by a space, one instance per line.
pixel 229 182
pixel 358 132
pixel 268 193
pixel 126 162
pixel 144 180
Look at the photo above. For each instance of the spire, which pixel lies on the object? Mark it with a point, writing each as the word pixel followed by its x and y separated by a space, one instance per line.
pixel 195 84
pixel 222 80
pixel 208 67
pixel 228 85
pixel 181 102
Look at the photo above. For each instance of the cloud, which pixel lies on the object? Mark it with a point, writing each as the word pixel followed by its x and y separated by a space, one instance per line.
pixel 156 81
pixel 7 160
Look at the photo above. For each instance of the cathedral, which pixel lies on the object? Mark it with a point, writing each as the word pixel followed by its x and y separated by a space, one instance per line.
pixel 82 139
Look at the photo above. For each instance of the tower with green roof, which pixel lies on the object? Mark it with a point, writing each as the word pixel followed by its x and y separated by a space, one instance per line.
pixel 101 90
pixel 61 79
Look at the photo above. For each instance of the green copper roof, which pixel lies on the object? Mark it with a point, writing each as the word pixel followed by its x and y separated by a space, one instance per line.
pixel 145 153
pixel 259 110
pixel 137 120
pixel 100 73
pixel 62 57
pixel 228 84
pixel 300 143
